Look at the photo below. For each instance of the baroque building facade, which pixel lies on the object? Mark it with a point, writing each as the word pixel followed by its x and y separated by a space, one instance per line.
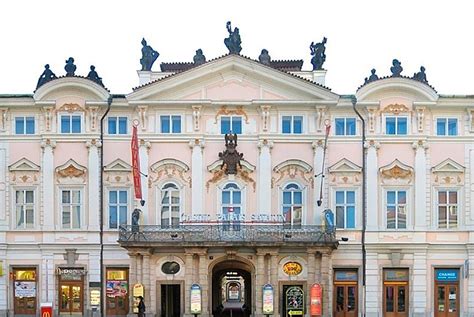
pixel 233 233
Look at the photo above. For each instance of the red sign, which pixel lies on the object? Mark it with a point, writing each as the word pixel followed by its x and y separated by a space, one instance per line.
pixel 316 300
pixel 136 165
pixel 46 311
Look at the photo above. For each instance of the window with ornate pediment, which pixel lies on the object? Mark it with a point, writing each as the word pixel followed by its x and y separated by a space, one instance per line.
pixel 170 205
pixel 292 205
pixel 396 119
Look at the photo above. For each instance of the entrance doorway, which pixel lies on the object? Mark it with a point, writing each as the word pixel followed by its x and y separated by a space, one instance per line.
pixel 71 291
pixel 170 300
pixel 446 293
pixel 395 293
pixel 293 300
pixel 345 293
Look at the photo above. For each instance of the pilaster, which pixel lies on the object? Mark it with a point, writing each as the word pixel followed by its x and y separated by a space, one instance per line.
pixel 318 148
pixel 197 176
pixel 47 168
pixel 325 275
pixel 3 189
pixel 144 151
pixel 421 289
pixel 260 281
pixel 274 282
pixel 265 177
pixel 203 281
pixel 373 301
pixel 93 183
pixel 420 147
pixel 311 252
pixel 188 281
pixel 147 283
pixel 372 184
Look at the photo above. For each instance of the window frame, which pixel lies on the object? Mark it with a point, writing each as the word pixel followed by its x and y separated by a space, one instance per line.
pixel 303 201
pixel 128 204
pixel 160 205
pixel 14 205
pixel 117 125
pixel 292 123
pixel 408 208
pixel 435 125
pixel 243 196
pixel 397 117
pixel 231 117
pixel 79 114
pixel 25 116
pixel 170 115
pixel 82 204
pixel 345 125
pixel 356 207
pixel 436 207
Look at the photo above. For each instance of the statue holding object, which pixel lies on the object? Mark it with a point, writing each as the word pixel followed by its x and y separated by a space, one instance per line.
pixel 149 56
pixel 318 52
pixel 233 41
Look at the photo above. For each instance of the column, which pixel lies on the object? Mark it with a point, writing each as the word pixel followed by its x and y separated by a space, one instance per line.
pixel 265 177
pixel 47 278
pixel 421 288
pixel 420 147
pixel 188 281
pixel 274 282
pixel 147 285
pixel 203 281
pixel 325 257
pixel 93 183
pixel 470 288
pixel 47 167
pixel 318 147
pixel 373 286
pixel 197 176
pixel 143 152
pixel 3 193
pixel 311 274
pixel 132 274
pixel 260 281
pixel 372 184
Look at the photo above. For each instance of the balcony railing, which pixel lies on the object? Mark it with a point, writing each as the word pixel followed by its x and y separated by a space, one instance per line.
pixel 237 233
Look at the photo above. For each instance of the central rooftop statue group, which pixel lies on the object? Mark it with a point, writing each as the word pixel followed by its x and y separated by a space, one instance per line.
pixel 233 41
pixel 319 56
pixel 396 70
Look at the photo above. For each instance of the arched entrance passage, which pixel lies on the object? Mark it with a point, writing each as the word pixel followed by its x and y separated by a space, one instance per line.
pixel 232 289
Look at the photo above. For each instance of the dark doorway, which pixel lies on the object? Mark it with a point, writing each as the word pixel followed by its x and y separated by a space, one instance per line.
pixel 170 300
pixel 293 301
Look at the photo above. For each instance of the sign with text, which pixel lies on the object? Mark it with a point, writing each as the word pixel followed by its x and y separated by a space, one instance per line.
pixel 95 297
pixel 267 299
pixel 138 290
pixel 46 309
pixel 195 299
pixel 316 298
pixel 292 268
pixel 295 301
pixel 447 275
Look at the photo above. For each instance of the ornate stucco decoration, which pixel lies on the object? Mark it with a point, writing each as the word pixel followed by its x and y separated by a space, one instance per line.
pixel 372 144
pixel 345 172
pixel 448 172
pixel 142 116
pixel 3 118
pixel 196 117
pixel 372 111
pixel 292 169
pixel 71 107
pixel 226 112
pixel 243 172
pixel 320 117
pixel 470 116
pixel 93 117
pixel 395 109
pixel 265 112
pixel 71 172
pixel 396 173
pixel 24 172
pixel 264 143
pixel 169 168
pixel 117 173
pixel 420 118
pixel 48 115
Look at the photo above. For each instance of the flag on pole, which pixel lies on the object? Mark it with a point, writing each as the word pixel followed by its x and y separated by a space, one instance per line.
pixel 136 164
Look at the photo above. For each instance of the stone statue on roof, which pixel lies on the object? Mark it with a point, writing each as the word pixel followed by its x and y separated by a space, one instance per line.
pixel 421 75
pixel 149 56
pixel 318 52
pixel 70 67
pixel 233 41
pixel 94 76
pixel 373 76
pixel 264 58
pixel 46 76
pixel 397 68
pixel 199 58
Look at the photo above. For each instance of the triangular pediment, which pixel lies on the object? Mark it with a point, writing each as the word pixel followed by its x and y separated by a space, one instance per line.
pixel 448 166
pixel 118 165
pixel 345 166
pixel 71 169
pixel 24 165
pixel 305 167
pixel 396 170
pixel 232 77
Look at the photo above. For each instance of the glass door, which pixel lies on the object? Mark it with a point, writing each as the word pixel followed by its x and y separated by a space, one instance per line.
pixel 345 301
pixel 71 299
pixel 446 300
pixel 395 302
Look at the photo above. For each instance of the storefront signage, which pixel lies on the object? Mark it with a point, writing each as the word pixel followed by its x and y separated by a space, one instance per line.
pixel 294 301
pixel 346 275
pixel 267 299
pixel 71 274
pixel 116 289
pixel 95 297
pixel 447 275
pixel 396 275
pixel 138 290
pixel 195 299
pixel 316 297
pixel 260 218
pixel 46 309
pixel 25 289
pixel 292 268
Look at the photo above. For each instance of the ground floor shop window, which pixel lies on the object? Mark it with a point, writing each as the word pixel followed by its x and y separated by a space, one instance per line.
pixel 117 291
pixel 24 291
pixel 345 293
pixel 446 292
pixel 395 292
pixel 71 290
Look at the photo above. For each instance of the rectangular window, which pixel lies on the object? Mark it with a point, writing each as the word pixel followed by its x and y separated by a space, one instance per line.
pixel 117 125
pixel 292 124
pixel 345 126
pixel 447 126
pixel 396 209
pixel 70 124
pixel 24 125
pixel 396 125
pixel 71 209
pixel 118 207
pixel 25 209
pixel 345 209
pixel 447 209
pixel 170 124
pixel 231 124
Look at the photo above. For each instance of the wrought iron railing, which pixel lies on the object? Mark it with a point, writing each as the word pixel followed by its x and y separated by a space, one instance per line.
pixel 226 232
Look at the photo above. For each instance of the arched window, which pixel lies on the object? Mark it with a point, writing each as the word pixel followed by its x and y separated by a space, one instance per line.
pixel 170 205
pixel 292 207
pixel 231 204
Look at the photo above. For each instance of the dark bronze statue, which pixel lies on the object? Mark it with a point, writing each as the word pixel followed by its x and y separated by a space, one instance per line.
pixel 421 75
pixel 46 76
pixel 149 56
pixel 233 41
pixel 199 58
pixel 230 157
pixel 264 58
pixel 70 67
pixel 373 76
pixel 135 219
pixel 94 76
pixel 318 52
pixel 397 68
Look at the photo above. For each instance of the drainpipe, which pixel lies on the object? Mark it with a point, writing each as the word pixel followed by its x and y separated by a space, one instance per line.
pixel 101 207
pixel 364 204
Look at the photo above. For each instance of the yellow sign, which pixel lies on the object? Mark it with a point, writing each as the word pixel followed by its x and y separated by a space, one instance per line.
pixel 138 290
pixel 195 299
pixel 295 312
pixel 95 297
pixel 292 268
pixel 1 268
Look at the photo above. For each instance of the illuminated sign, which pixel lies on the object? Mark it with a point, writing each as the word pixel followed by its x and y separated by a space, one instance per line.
pixel 316 295
pixel 292 268
pixel 138 290
pixel 195 299
pixel 295 301
pixel 267 299
pixel 95 297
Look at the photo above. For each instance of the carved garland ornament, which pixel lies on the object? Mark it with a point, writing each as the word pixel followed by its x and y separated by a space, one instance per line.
pixel 224 111
pixel 397 172
pixel 71 107
pixel 71 171
pixel 396 109
pixel 171 169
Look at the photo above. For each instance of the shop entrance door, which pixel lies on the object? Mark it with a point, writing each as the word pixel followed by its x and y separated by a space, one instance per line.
pixel 170 300
pixel 446 300
pixel 71 299
pixel 395 302
pixel 345 300
pixel 293 303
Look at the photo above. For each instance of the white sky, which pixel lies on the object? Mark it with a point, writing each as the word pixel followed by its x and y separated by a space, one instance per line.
pixel 361 35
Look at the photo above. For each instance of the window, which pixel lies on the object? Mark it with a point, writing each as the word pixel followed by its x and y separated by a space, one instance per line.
pixel 118 208
pixel 117 125
pixel 24 125
pixel 25 209
pixel 170 206
pixel 292 124
pixel 396 125
pixel 345 209
pixel 70 124
pixel 345 126
pixel 446 126
pixel 231 124
pixel 396 209
pixel 231 204
pixel 170 124
pixel 447 209
pixel 71 209
pixel 292 207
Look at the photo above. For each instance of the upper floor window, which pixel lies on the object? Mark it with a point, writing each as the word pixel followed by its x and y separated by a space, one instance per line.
pixel 396 209
pixel 170 124
pixel 231 200
pixel 396 125
pixel 25 208
pixel 345 126
pixel 292 124
pixel 231 124
pixel 170 205
pixel 70 123
pixel 447 126
pixel 345 209
pixel 118 208
pixel 292 207
pixel 24 125
pixel 117 125
pixel 447 209
pixel 71 205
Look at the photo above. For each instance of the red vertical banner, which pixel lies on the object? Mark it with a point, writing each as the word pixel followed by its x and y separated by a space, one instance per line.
pixel 316 296
pixel 136 164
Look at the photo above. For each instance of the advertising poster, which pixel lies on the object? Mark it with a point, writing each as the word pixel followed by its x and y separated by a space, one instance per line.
pixel 195 299
pixel 25 289
pixel 117 289
pixel 316 296
pixel 267 299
